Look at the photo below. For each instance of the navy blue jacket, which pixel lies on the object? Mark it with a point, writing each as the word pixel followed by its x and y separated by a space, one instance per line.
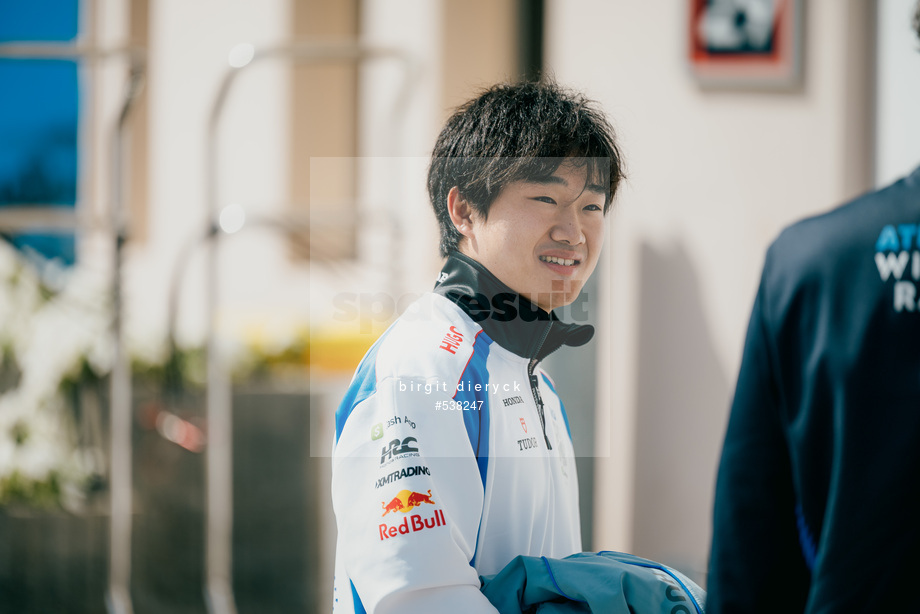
pixel 816 506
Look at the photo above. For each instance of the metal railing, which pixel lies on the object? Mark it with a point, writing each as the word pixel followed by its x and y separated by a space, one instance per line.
pixel 219 455
pixel 118 597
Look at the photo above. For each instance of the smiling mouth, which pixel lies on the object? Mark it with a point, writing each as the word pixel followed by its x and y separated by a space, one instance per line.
pixel 562 261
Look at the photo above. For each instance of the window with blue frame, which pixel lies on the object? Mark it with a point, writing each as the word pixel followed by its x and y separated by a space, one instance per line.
pixel 39 114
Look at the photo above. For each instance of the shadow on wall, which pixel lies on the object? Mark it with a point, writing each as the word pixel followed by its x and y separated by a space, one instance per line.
pixel 574 371
pixel 683 397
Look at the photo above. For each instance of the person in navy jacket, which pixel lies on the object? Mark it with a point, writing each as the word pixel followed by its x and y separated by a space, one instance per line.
pixel 816 504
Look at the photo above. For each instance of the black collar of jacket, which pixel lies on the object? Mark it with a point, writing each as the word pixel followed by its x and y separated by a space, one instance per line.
pixel 509 319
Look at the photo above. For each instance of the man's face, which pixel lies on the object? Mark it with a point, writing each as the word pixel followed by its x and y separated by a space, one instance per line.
pixel 542 238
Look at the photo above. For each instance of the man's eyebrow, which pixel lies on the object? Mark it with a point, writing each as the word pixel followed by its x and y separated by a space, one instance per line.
pixel 547 179
pixel 556 180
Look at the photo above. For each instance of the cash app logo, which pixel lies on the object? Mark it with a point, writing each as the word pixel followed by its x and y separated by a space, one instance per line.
pixel 377 431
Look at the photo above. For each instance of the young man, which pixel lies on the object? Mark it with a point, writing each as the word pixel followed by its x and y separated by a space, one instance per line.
pixel 816 501
pixel 452 452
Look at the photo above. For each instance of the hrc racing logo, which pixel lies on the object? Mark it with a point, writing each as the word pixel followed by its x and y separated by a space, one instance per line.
pixel 405 501
pixel 397 448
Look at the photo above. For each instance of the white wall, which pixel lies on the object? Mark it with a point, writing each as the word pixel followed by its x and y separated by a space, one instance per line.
pixel 897 119
pixel 264 294
pixel 189 46
pixel 713 176
pixel 398 122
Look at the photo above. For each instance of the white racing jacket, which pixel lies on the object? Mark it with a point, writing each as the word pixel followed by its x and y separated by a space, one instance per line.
pixel 452 452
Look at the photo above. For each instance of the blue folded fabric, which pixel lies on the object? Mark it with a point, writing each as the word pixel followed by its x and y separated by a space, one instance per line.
pixel 600 582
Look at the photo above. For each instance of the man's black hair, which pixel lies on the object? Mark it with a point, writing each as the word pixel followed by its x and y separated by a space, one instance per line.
pixel 514 132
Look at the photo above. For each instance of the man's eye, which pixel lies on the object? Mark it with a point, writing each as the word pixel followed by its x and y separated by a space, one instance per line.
pixel 545 199
pixel 593 208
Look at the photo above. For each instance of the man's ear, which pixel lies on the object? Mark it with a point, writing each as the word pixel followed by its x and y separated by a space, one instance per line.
pixel 461 212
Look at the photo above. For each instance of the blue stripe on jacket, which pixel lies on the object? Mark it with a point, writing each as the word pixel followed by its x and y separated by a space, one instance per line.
pixel 363 385
pixel 477 420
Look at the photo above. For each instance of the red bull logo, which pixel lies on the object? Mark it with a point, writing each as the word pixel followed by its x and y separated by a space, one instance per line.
pixel 412 524
pixel 405 501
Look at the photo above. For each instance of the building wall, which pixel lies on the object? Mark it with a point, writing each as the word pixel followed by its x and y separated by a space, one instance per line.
pixel 898 87
pixel 713 175
pixel 267 293
pixel 189 47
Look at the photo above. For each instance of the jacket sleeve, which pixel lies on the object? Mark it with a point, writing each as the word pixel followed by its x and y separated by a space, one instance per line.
pixel 408 495
pixel 756 564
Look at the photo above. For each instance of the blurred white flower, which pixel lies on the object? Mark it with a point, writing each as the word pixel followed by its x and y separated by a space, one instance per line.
pixel 49 336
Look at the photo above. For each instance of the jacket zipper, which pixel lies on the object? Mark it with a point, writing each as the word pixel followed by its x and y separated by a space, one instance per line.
pixel 535 387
